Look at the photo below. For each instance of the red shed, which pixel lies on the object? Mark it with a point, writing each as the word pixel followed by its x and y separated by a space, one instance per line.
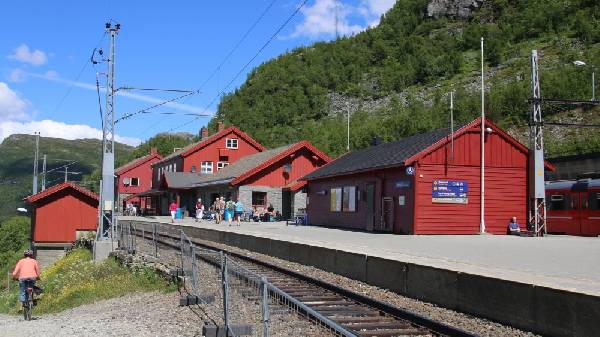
pixel 424 184
pixel 60 212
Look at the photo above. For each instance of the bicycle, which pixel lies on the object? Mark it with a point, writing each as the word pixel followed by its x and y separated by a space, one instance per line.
pixel 30 301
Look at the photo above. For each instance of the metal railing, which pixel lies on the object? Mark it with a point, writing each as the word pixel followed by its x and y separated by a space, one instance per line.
pixel 238 300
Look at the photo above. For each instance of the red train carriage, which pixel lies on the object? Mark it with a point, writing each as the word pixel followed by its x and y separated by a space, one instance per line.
pixel 574 207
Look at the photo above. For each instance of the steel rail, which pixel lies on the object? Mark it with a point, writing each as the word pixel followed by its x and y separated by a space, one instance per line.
pixel 439 328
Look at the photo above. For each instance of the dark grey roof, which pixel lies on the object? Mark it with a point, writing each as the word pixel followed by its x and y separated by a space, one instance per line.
pixel 380 156
pixel 180 179
pixel 224 175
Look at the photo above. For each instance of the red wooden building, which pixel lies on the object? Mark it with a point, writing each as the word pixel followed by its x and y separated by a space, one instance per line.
pixel 424 184
pixel 266 178
pixel 207 157
pixel 60 212
pixel 135 177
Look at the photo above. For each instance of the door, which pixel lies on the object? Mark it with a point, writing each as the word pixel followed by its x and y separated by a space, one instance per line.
pixel 584 214
pixel 286 204
pixel 387 214
pixel 370 206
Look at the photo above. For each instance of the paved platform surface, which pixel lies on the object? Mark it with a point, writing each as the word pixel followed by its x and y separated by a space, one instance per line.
pixel 560 262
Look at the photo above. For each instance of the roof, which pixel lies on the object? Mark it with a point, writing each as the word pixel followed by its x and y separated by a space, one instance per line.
pixel 380 156
pixel 403 152
pixel 137 162
pixel 240 167
pixel 57 188
pixel 187 150
pixel 239 171
pixel 180 180
pixel 572 184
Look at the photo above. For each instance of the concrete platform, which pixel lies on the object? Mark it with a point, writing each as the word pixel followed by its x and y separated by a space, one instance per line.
pixel 548 285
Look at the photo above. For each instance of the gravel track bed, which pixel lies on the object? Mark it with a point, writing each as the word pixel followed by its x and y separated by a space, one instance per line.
pixel 148 314
pixel 244 298
pixel 480 326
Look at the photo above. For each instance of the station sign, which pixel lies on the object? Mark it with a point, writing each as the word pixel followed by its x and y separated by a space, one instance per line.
pixel 450 191
pixel 402 184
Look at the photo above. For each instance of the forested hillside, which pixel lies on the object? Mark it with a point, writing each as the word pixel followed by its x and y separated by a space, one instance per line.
pixel 16 165
pixel 395 78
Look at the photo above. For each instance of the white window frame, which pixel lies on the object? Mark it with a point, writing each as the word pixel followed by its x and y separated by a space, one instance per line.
pixel 221 164
pixel 231 146
pixel 204 167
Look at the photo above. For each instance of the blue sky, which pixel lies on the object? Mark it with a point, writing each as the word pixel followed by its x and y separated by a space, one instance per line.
pixel 175 44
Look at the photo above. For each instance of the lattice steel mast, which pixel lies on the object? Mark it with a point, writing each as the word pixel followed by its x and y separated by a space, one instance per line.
pixel 537 190
pixel 107 201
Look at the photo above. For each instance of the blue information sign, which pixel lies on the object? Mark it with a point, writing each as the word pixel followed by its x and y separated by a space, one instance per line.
pixel 450 191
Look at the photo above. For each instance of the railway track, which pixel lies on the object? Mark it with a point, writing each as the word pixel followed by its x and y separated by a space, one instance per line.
pixel 363 316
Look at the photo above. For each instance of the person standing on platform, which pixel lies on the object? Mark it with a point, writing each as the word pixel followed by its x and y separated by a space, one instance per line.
pixel 173 210
pixel 513 227
pixel 199 210
pixel 217 209
pixel 221 208
pixel 239 211
pixel 230 211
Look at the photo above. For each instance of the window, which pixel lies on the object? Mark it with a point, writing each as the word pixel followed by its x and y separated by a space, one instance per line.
pixel 259 198
pixel 343 199
pixel 135 182
pixel 349 199
pixel 594 200
pixel 336 200
pixel 559 202
pixel 221 164
pixel 206 167
pixel 193 170
pixel 231 143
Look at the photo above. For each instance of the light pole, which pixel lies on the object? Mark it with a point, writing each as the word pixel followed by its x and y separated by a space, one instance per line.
pixel 583 64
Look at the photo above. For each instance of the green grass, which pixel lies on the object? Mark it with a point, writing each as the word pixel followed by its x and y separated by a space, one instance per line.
pixel 75 280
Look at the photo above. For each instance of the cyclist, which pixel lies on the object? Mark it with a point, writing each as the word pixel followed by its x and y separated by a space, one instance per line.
pixel 27 271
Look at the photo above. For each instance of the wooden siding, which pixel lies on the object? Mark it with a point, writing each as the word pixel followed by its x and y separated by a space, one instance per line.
pixel 385 186
pixel 144 174
pixel 301 161
pixel 498 152
pixel 505 196
pixel 213 151
pixel 57 218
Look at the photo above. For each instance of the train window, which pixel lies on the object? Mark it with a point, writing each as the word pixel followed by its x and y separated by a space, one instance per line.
pixel 559 202
pixel 594 201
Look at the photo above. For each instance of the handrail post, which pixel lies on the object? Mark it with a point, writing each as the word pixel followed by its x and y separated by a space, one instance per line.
pixel 225 292
pixel 265 306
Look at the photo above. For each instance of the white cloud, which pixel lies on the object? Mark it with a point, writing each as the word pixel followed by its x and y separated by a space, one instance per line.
pixel 24 54
pixel 51 74
pixel 320 19
pixel 50 128
pixel 12 106
pixel 17 75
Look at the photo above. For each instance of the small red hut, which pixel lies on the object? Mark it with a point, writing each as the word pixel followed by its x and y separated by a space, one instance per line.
pixel 60 212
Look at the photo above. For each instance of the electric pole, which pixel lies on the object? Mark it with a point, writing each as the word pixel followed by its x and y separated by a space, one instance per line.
pixel 348 111
pixel 108 137
pixel 44 174
pixel 35 163
pixel 482 174
pixel 537 197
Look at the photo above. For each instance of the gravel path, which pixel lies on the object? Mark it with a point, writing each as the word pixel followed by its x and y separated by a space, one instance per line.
pixel 149 314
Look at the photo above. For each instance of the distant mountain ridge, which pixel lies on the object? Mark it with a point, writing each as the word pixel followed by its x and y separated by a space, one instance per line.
pixel 16 164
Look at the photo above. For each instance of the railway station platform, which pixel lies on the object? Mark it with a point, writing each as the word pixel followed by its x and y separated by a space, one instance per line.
pixel 548 285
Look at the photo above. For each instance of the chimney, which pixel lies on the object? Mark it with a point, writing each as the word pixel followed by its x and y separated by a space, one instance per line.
pixel 203 133
pixel 220 126
pixel 153 150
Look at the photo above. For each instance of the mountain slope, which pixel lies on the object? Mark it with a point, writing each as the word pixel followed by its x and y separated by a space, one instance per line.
pixel 395 78
pixel 16 164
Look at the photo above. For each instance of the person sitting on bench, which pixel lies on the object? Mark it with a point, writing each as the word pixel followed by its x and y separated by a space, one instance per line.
pixel 513 227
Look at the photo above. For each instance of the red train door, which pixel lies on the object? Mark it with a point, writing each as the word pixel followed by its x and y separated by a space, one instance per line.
pixel 583 214
pixel 593 219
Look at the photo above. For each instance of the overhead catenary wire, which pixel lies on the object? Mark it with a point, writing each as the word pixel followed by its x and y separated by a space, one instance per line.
pixel 70 88
pixel 226 58
pixel 273 36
